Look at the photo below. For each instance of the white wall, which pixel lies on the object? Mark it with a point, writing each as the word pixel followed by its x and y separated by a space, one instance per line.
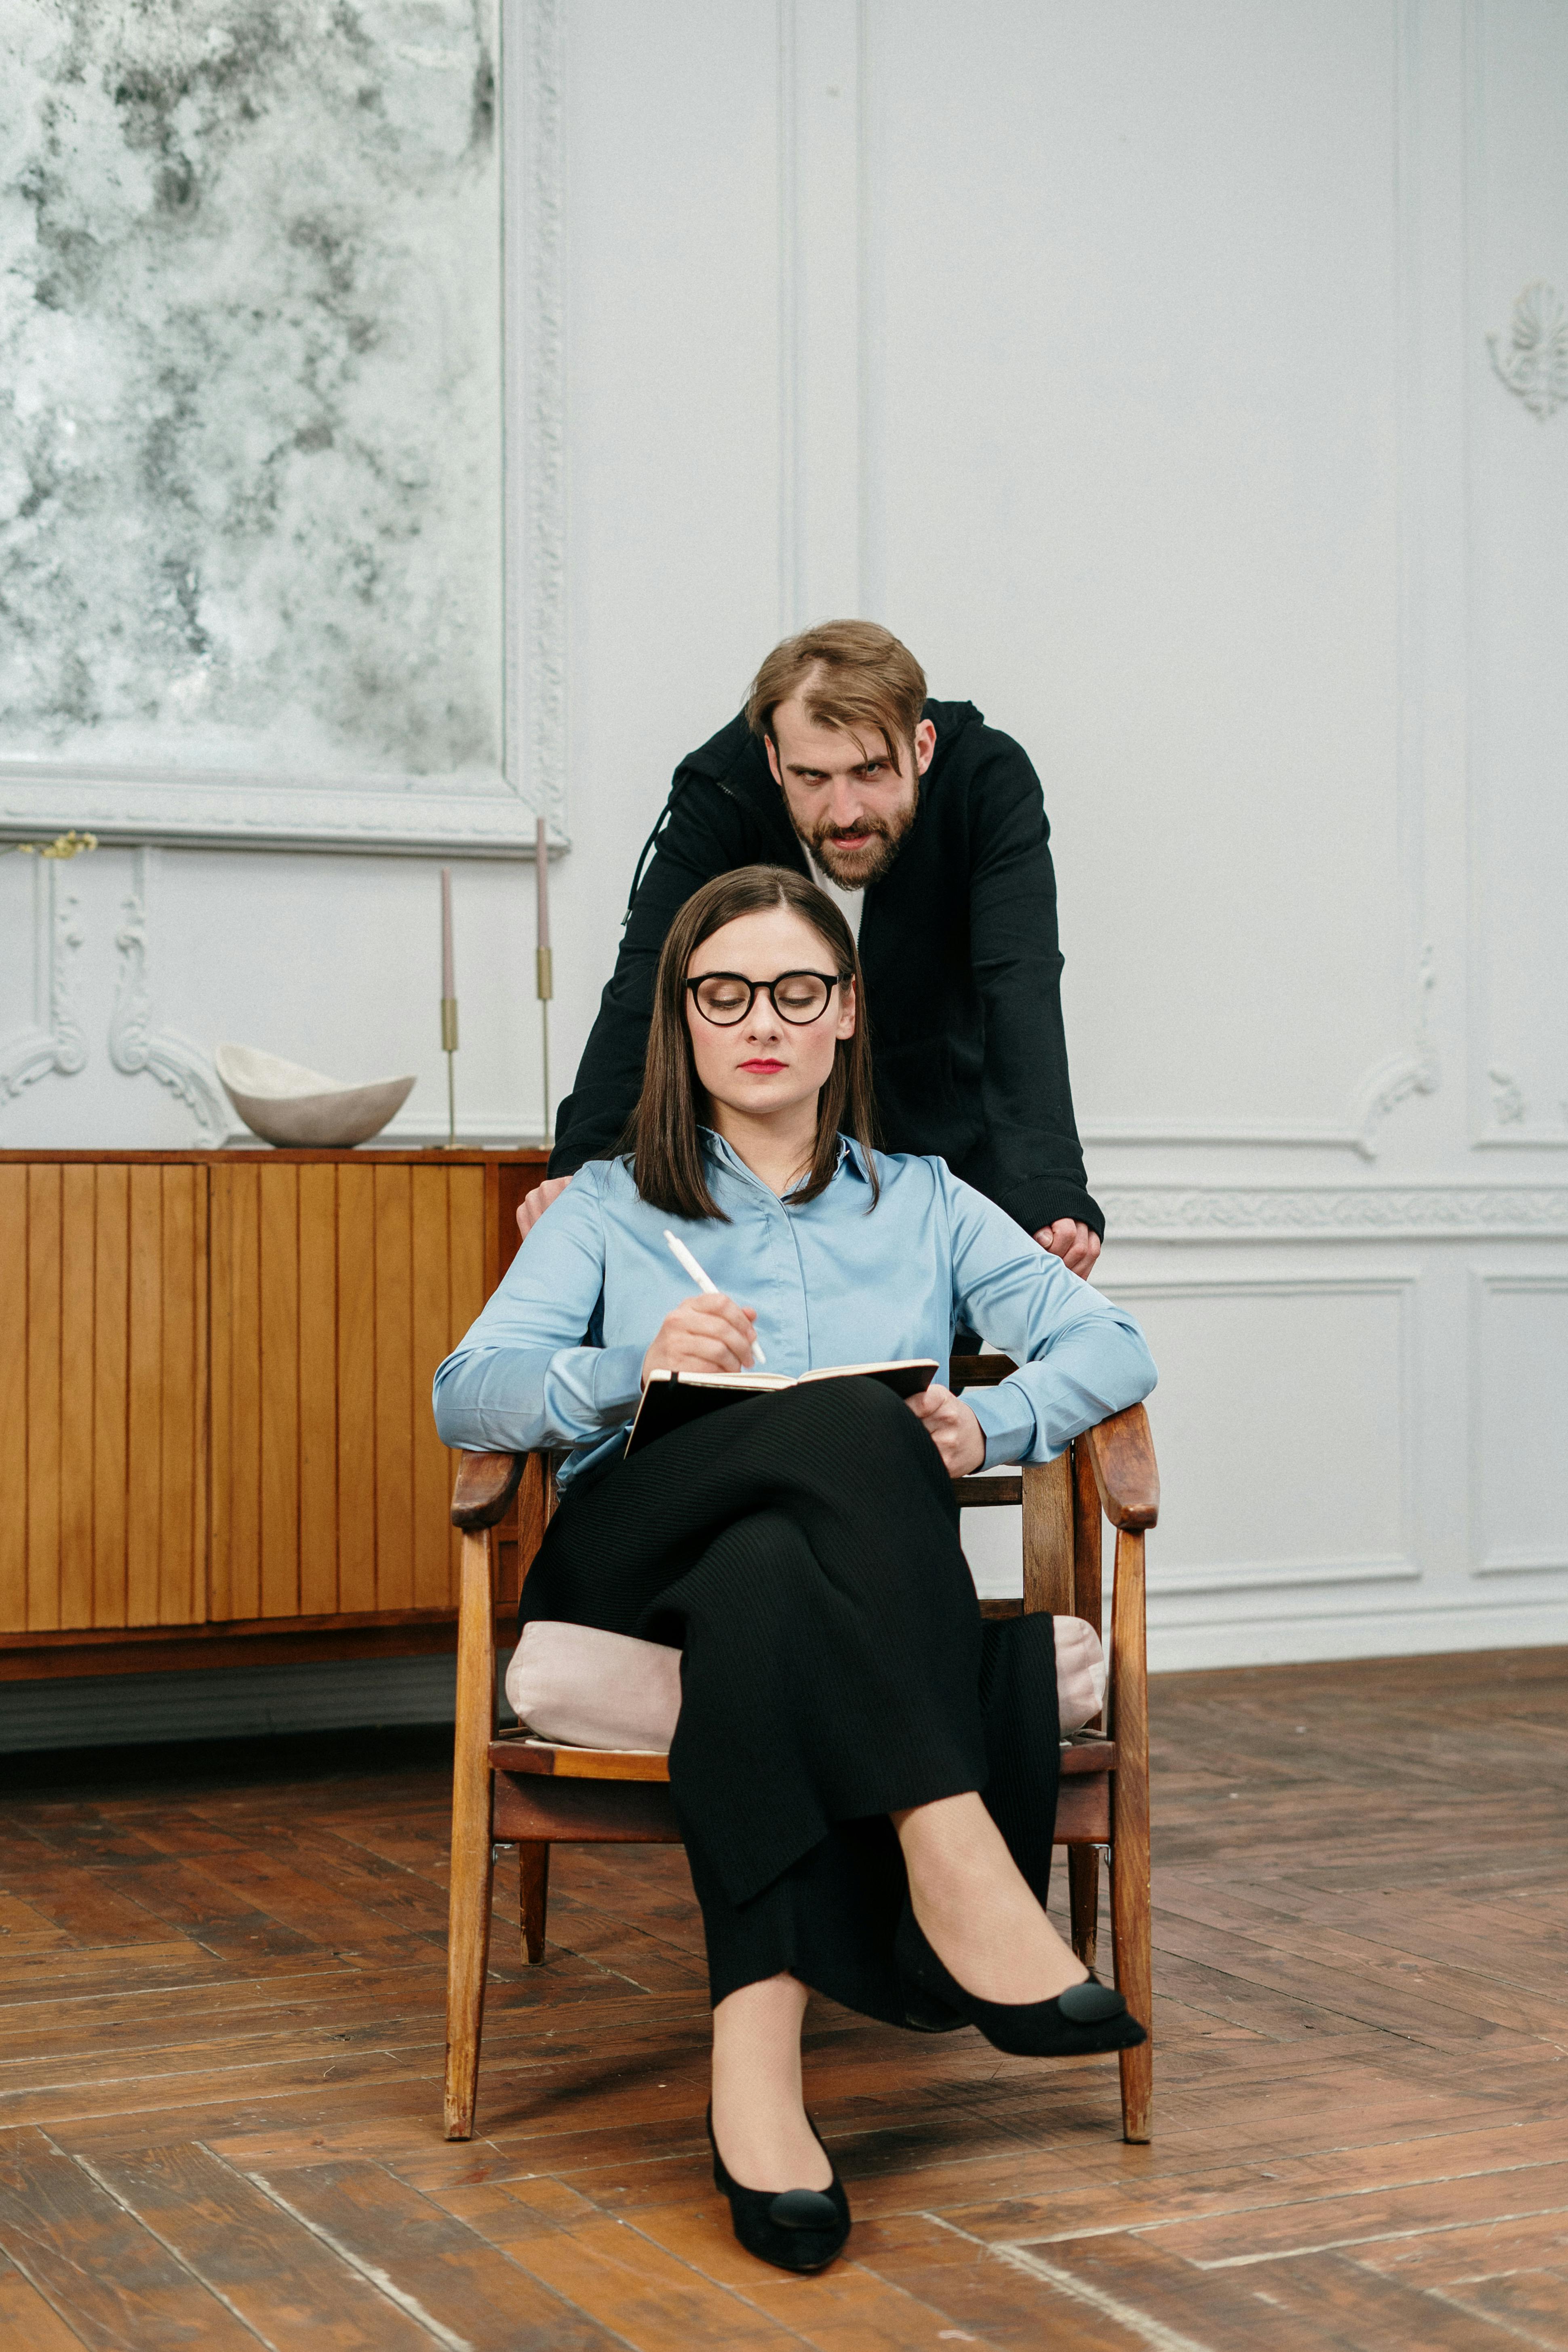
pixel 1133 363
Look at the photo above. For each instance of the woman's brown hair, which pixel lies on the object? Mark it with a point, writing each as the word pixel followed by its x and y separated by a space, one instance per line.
pixel 661 1135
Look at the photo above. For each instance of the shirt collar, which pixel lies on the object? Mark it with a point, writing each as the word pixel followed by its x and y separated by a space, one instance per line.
pixel 850 1156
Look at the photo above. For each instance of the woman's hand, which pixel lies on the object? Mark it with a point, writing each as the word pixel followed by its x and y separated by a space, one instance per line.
pixel 952 1428
pixel 706 1334
pixel 1080 1671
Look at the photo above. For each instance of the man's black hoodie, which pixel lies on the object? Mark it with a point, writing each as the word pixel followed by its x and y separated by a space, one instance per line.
pixel 958 943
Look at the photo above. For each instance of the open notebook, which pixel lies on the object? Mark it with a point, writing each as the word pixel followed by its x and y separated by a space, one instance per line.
pixel 672 1399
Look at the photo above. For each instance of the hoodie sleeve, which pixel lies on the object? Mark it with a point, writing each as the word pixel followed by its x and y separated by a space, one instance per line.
pixel 1033 1159
pixel 703 832
pixel 1080 1357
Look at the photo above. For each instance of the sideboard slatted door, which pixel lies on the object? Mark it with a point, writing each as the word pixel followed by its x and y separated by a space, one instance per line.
pixel 336 1290
pixel 103 1281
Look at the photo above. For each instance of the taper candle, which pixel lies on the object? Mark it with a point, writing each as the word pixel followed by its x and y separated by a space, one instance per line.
pixel 449 983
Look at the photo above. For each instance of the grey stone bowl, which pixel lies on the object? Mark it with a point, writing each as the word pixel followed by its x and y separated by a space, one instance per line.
pixel 283 1103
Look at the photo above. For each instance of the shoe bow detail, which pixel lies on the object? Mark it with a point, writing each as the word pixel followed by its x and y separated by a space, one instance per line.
pixel 804 2208
pixel 796 2229
pixel 1080 2020
pixel 1088 2002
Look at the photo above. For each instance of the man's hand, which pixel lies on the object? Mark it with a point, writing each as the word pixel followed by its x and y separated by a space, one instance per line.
pixel 952 1428
pixel 533 1205
pixel 706 1334
pixel 1077 1246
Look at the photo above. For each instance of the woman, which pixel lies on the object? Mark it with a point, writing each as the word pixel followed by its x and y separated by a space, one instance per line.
pixel 865 1776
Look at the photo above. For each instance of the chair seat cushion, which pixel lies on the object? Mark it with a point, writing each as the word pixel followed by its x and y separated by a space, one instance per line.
pixel 1081 1674
pixel 590 1689
pixel 587 1688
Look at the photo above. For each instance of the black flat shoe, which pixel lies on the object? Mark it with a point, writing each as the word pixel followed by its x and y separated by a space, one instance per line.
pixel 1084 2019
pixel 926 2015
pixel 793 2229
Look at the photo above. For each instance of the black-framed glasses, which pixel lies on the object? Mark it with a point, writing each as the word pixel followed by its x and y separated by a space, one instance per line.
pixel 725 998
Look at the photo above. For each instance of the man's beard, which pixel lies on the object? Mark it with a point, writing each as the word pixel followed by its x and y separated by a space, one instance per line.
pixel 856 869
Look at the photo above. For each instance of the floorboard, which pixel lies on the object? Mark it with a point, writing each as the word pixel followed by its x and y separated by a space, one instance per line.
pixel 221 2037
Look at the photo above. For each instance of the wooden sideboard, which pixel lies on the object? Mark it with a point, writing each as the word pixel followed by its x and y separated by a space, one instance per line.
pixel 215 1438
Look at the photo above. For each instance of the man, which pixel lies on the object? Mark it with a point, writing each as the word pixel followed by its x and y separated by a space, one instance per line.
pixel 932 824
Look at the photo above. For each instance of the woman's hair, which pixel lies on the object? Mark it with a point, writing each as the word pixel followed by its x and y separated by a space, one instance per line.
pixel 661 1135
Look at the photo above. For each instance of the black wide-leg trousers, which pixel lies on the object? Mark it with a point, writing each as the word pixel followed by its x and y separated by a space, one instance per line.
pixel 801 1550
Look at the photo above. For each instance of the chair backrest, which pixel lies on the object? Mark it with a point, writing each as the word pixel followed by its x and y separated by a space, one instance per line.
pixel 1108 1470
pixel 1061 1545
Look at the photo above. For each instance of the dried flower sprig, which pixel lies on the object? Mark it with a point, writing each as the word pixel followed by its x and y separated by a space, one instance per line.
pixel 64 845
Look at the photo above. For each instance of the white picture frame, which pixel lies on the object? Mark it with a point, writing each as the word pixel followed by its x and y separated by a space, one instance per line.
pixel 484 810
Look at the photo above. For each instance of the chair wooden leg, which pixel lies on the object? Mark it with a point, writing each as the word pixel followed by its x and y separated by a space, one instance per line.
pixel 1083 1896
pixel 1129 1894
pixel 533 1898
pixel 473 1866
pixel 468 1958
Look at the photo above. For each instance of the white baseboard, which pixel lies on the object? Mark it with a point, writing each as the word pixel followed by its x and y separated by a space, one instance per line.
pixel 1311 1638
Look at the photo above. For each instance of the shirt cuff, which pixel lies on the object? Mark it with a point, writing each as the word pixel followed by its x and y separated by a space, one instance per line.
pixel 1007 1421
pixel 618 1382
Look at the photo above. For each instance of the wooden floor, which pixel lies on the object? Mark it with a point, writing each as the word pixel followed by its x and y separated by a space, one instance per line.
pixel 221 2030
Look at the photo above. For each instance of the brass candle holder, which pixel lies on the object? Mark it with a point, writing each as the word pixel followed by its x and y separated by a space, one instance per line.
pixel 450 1048
pixel 544 982
pixel 543 969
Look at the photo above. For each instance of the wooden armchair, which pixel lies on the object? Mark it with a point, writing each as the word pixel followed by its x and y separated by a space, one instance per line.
pixel 516 1789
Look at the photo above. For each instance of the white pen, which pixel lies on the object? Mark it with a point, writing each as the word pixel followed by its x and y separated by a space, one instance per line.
pixel 681 1251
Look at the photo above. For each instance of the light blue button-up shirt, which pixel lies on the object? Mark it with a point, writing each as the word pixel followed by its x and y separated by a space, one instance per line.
pixel 831 1284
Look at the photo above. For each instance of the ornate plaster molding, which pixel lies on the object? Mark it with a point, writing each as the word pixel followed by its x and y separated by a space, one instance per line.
pixel 55 1045
pixel 1512 1127
pixel 1186 1212
pixel 1393 1082
pixel 1535 365
pixel 134 1045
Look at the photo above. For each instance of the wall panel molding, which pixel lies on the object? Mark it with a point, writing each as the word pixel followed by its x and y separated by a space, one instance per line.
pixel 1537 1417
pixel 1387 1084
pixel 1517 1098
pixel 1281 1576
pixel 1184 1213
pixel 1271 1577
pixel 821 98
pixel 1414 1068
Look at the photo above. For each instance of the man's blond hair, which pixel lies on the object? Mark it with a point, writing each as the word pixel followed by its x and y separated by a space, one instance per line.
pixel 851 675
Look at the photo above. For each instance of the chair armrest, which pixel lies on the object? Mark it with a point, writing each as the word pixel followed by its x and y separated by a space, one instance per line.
pixel 485 1485
pixel 1123 1453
